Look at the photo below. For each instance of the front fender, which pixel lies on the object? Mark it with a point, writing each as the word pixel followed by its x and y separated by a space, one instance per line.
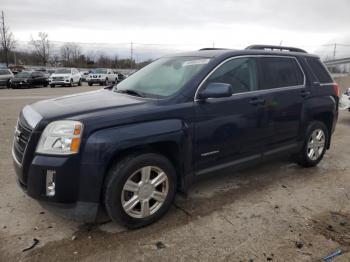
pixel 102 146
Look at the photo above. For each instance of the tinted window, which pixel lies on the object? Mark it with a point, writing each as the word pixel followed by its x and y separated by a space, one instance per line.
pixel 319 70
pixel 280 72
pixel 240 73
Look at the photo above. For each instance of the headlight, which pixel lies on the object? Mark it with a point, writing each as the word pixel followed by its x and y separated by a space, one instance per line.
pixel 61 138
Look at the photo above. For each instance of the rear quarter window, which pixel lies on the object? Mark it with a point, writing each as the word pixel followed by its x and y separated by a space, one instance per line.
pixel 280 72
pixel 319 70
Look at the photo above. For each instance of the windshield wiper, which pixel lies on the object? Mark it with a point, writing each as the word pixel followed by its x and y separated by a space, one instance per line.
pixel 130 92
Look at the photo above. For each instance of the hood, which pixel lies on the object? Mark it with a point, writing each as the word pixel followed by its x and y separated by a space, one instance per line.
pixel 84 103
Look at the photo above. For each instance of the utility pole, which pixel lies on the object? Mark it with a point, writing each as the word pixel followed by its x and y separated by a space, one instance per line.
pixel 213 44
pixel 4 34
pixel 335 50
pixel 131 54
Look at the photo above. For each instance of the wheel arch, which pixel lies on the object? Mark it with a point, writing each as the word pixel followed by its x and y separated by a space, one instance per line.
pixel 106 147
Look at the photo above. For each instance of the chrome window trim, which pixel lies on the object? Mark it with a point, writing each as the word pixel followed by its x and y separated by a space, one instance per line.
pixel 327 84
pixel 255 91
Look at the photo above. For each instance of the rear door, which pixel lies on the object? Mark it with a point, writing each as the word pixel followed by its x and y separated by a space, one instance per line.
pixel 284 82
pixel 231 130
pixel 37 78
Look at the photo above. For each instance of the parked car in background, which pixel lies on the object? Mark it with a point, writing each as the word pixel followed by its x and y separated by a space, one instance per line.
pixel 344 101
pixel 102 76
pixel 84 75
pixel 28 79
pixel 130 147
pixel 16 69
pixel 65 77
pixel 5 76
pixel 45 71
pixel 51 71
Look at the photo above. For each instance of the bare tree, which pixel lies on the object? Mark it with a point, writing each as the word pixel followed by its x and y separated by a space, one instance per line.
pixel 42 47
pixel 6 37
pixel 70 52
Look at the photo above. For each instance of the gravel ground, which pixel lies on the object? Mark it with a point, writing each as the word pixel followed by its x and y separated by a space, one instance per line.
pixel 272 212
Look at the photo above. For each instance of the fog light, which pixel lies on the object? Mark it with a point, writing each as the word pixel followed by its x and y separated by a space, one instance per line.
pixel 50 183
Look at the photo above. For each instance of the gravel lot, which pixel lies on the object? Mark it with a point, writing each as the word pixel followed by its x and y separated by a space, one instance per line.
pixel 272 212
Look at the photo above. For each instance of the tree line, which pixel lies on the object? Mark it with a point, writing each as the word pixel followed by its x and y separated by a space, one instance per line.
pixel 70 54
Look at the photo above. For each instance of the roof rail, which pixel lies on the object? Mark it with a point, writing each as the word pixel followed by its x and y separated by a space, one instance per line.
pixel 275 47
pixel 212 48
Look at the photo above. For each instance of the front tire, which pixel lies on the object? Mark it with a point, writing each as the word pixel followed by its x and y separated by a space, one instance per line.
pixel 79 83
pixel 52 85
pixel 89 83
pixel 315 144
pixel 139 189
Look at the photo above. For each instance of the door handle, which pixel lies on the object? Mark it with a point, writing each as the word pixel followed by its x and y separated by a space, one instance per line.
pixel 305 93
pixel 257 101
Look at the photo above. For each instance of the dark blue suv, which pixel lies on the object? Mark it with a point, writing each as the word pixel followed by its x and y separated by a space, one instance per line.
pixel 128 148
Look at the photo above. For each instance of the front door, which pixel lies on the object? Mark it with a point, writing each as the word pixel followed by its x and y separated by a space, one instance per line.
pixel 233 129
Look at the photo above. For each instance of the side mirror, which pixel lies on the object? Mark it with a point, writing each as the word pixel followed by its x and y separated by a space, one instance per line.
pixel 215 90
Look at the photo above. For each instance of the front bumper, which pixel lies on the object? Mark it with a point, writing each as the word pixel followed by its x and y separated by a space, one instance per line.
pixel 96 80
pixel 4 82
pixel 65 202
pixel 20 84
pixel 60 82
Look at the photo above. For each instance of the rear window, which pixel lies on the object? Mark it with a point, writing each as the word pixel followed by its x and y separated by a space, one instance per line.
pixel 280 72
pixel 319 70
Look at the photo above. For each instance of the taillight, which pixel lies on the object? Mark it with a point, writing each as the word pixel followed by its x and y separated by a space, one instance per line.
pixel 336 89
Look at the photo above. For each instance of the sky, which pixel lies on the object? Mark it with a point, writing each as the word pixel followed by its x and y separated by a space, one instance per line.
pixel 162 26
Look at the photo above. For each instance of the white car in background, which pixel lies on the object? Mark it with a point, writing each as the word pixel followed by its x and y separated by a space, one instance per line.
pixel 344 101
pixel 102 76
pixel 5 77
pixel 65 77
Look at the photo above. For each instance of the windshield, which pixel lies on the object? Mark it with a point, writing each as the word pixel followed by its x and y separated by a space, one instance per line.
pixel 4 72
pixel 63 71
pixel 100 71
pixel 164 77
pixel 23 74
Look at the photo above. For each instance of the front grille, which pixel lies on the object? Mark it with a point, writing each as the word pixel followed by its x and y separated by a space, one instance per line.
pixel 22 135
pixel 58 78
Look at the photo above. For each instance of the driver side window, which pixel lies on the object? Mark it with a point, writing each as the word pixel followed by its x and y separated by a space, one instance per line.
pixel 241 73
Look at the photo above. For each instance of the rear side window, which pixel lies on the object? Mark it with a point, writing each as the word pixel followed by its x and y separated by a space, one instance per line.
pixel 280 72
pixel 241 73
pixel 319 70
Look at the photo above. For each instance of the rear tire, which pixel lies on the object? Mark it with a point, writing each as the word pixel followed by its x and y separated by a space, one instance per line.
pixel 315 144
pixel 152 181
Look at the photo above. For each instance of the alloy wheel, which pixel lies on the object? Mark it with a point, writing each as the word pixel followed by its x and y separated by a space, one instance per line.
pixel 316 144
pixel 144 192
